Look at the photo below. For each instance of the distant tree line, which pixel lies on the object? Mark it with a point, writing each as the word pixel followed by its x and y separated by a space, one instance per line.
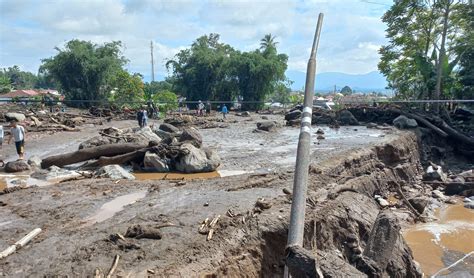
pixel 12 78
pixel 430 54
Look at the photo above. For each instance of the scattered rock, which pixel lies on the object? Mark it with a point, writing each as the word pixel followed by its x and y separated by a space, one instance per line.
pixel 137 231
pixel 434 173
pixel 245 114
pixel 320 137
pixel 372 125
pixel 168 128
pixel 320 131
pixel 115 172
pixel 438 195
pixel 263 204
pixel 469 205
pixel 34 161
pixel 16 166
pixel 264 118
pixel 382 202
pixel 146 135
pixel 404 122
pixel 153 162
pixel 419 203
pixel 286 191
pixel 191 135
pixel 15 116
pixel 345 117
pixel 266 125
pixel 196 160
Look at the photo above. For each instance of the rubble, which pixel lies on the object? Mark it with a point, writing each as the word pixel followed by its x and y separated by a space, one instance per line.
pixel 267 125
pixel 403 122
pixel 114 172
pixel 16 166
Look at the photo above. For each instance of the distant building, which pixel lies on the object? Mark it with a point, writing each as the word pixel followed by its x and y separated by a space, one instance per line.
pixel 29 94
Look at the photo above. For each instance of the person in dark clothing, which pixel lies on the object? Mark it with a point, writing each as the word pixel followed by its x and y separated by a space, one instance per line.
pixel 140 117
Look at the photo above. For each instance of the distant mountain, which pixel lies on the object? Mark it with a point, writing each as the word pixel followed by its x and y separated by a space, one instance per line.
pixel 372 81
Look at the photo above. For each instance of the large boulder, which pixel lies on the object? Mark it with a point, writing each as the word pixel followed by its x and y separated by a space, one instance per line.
pixel 16 166
pixel 168 128
pixel 404 122
pixel 146 135
pixel 153 162
pixel 192 136
pixel 419 203
pixel 95 142
pixel 115 172
pixel 345 117
pixel 15 116
pixel 293 115
pixel 194 160
pixel 267 125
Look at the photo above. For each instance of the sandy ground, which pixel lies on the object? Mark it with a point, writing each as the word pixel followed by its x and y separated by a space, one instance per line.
pixel 78 218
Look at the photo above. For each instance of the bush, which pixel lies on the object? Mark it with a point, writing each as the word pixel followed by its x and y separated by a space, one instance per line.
pixel 166 101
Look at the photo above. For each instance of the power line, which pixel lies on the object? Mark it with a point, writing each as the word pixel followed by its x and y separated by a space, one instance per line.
pixel 375 3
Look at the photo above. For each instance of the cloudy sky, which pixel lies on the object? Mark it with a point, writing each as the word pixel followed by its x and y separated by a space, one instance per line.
pixel 352 30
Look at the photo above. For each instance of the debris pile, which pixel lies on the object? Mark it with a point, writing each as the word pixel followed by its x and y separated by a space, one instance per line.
pixel 321 117
pixel 183 120
pixel 154 150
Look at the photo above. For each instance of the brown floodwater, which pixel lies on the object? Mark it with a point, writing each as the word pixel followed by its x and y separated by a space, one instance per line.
pixel 438 244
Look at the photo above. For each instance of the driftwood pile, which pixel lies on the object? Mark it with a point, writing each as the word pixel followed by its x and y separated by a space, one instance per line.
pixel 203 122
pixel 162 150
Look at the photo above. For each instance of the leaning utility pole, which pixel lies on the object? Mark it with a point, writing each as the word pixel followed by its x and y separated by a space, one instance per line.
pixel 152 63
pixel 300 183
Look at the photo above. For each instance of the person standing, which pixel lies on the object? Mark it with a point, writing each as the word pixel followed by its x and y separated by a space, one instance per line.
pixel 200 108
pixel 18 133
pixel 224 110
pixel 145 118
pixel 140 117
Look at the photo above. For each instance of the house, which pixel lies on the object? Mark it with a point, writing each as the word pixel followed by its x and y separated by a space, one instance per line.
pixel 24 95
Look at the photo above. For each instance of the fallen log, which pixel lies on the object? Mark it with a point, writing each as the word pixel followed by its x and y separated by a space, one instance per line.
pixel 90 153
pixel 118 159
pixel 422 120
pixel 22 242
pixel 458 136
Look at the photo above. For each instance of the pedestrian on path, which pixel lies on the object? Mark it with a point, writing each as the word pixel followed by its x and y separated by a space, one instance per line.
pixel 224 110
pixel 18 133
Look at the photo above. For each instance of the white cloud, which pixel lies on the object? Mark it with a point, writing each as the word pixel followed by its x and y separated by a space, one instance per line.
pixel 352 30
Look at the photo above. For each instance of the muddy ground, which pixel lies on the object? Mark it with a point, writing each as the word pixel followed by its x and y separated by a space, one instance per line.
pixel 80 219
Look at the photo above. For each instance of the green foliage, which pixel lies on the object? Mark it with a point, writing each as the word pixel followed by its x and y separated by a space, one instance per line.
pixel 19 79
pixel 464 49
pixel 166 101
pixel 126 89
pixel 346 90
pixel 84 69
pixel 5 84
pixel 155 87
pixel 211 70
pixel 296 99
pixel 281 93
pixel 410 59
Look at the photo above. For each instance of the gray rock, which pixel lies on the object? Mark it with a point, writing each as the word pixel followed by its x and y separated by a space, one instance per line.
pixel 16 166
pixel 264 118
pixel 382 202
pixel 293 115
pixel 419 203
pixel 438 195
pixel 345 117
pixel 372 125
pixel 245 114
pixel 15 116
pixel 168 128
pixel 95 142
pixel 56 174
pixel 320 131
pixel 266 125
pixel 469 205
pixel 192 136
pixel 34 161
pixel 146 135
pixel 320 137
pixel 194 160
pixel 404 122
pixel 115 172
pixel 434 173
pixel 155 163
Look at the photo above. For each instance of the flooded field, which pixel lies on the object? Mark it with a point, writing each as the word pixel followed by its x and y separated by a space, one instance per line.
pixel 442 243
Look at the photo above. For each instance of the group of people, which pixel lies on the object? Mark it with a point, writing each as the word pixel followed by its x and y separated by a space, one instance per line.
pixel 201 107
pixel 18 134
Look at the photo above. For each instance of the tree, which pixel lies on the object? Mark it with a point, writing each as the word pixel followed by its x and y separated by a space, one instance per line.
pixel 5 84
pixel 268 41
pixel 346 90
pixel 126 89
pixel 204 71
pixel 420 59
pixel 155 87
pixel 464 49
pixel 166 101
pixel 19 79
pixel 83 69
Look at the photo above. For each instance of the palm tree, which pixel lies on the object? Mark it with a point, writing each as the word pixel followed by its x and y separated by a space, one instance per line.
pixel 268 41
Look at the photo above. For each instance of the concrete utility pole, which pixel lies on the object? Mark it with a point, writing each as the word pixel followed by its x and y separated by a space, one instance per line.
pixel 298 205
pixel 152 63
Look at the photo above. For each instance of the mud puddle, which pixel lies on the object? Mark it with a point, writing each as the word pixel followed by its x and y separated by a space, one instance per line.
pixel 110 208
pixel 194 176
pixel 442 243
